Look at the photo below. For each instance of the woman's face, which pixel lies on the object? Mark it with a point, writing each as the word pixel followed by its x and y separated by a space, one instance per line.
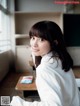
pixel 39 46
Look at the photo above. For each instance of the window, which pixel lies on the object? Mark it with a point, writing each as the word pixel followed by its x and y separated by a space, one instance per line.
pixel 0 21
pixel 4 27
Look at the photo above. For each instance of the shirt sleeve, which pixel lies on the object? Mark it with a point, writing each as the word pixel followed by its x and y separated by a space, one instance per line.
pixel 17 101
pixel 48 85
pixel 48 89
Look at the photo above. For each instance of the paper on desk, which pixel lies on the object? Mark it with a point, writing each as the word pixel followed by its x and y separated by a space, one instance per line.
pixel 27 79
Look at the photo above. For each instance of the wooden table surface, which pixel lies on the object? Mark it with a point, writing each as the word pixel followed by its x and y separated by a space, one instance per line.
pixel 25 87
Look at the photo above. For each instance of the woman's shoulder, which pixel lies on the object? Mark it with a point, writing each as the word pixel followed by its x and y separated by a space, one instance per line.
pixel 49 59
pixel 50 64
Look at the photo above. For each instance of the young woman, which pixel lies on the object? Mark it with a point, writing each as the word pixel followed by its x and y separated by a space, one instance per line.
pixel 55 80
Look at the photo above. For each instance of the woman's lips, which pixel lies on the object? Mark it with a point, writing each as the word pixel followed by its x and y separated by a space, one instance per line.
pixel 35 50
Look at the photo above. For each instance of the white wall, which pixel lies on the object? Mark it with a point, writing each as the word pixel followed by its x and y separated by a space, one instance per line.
pixel 38 6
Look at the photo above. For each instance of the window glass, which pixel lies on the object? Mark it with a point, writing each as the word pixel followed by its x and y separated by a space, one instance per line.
pixel 5 43
pixel 0 21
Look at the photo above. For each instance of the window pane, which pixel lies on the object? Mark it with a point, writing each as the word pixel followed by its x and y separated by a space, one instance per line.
pixel 5 43
pixel 0 22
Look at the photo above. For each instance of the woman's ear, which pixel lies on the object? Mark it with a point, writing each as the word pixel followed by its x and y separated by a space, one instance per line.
pixel 56 42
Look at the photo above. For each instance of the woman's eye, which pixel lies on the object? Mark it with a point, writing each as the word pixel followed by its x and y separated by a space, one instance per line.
pixel 41 39
pixel 32 38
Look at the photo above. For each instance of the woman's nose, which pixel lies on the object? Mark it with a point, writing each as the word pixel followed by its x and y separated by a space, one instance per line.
pixel 35 43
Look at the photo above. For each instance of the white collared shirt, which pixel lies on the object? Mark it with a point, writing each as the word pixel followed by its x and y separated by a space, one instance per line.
pixel 55 87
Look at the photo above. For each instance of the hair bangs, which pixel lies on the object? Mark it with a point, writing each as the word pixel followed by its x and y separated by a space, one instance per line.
pixel 38 33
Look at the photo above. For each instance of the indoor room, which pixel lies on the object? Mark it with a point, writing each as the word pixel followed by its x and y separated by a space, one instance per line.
pixel 16 60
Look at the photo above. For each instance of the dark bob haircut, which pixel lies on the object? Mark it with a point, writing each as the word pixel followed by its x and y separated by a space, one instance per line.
pixel 51 32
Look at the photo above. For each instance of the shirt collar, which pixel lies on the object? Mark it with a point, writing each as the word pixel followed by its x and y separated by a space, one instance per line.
pixel 46 57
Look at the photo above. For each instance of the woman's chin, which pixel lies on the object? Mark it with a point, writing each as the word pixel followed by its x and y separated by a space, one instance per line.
pixel 36 54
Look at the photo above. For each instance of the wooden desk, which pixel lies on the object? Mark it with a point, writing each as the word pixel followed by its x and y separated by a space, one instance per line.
pixel 27 89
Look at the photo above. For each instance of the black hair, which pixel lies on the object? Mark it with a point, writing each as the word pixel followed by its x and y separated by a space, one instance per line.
pixel 51 32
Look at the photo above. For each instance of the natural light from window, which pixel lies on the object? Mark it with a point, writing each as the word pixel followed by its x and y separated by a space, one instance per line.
pixel 4 28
